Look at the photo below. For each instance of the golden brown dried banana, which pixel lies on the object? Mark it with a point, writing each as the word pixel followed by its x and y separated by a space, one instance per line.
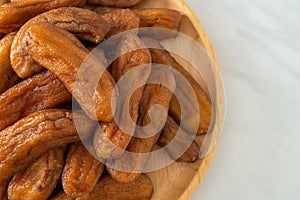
pixel 38 180
pixel 84 24
pixel 42 91
pixel 81 172
pixel 58 51
pixel 34 135
pixel 13 15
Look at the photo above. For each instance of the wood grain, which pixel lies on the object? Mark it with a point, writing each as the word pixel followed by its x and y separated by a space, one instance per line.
pixel 179 180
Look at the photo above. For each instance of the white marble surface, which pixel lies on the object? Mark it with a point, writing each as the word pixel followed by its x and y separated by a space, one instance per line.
pixel 258 46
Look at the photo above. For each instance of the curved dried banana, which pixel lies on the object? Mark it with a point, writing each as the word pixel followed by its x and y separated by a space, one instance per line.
pixel 58 51
pixel 34 135
pixel 42 91
pixel 38 180
pixel 13 15
pixel 81 172
pixel 84 24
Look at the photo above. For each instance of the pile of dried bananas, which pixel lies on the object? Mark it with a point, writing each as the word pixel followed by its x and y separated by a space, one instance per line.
pixel 44 43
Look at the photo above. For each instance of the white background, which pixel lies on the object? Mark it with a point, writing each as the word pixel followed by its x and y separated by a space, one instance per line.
pixel 258 46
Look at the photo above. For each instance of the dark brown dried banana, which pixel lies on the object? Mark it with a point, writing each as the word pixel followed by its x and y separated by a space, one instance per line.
pixel 84 24
pixel 34 135
pixel 81 172
pixel 38 180
pixel 154 94
pixel 109 136
pixel 7 75
pixel 13 15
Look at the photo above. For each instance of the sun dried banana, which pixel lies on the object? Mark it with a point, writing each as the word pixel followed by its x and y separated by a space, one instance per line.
pixel 38 180
pixel 13 15
pixel 42 91
pixel 84 24
pixel 58 51
pixel 115 3
pixel 109 136
pixel 81 172
pixel 154 94
pixel 163 57
pixel 179 144
pixel 7 75
pixel 34 135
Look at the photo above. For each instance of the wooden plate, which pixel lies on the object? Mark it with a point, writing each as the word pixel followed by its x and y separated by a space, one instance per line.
pixel 179 180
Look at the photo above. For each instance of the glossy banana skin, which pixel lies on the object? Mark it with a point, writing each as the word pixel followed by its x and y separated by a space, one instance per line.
pixel 34 135
pixel 13 15
pixel 109 137
pixel 38 180
pixel 42 91
pixel 115 3
pixel 154 94
pixel 7 75
pixel 61 53
pixel 84 24
pixel 109 189
pixel 81 171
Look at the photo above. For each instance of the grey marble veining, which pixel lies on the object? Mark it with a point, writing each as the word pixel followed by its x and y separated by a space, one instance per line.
pixel 258 47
